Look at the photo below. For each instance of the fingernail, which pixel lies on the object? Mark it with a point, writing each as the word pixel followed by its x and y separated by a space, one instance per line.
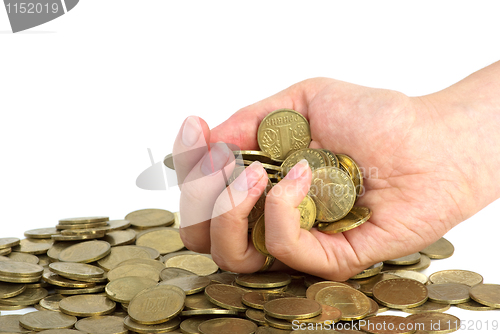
pixel 249 179
pixel 300 168
pixel 191 131
pixel 216 159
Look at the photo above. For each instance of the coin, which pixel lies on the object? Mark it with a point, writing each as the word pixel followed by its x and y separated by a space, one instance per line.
pixel 139 270
pixel 224 278
pixel 357 216
pixel 41 320
pixel 87 305
pixel 5 251
pixel 198 302
pixel 258 299
pixel 119 238
pixel 121 253
pixel 405 260
pixel 123 289
pixel 259 236
pixel 169 161
pixel 17 279
pixel 352 303
pixel 278 323
pixel 388 324
pixel 190 285
pixel 313 289
pixel 147 262
pixel 348 165
pixel 211 311
pixel 297 288
pixel 292 308
pixel 226 296
pixel 51 302
pixel 156 304
pixel 118 224
pixel 85 252
pixel 60 237
pixel 8 290
pixel 366 285
pixel 256 316
pixel 57 280
pixel 282 131
pixel 428 306
pixel 315 158
pixel 23 269
pixel 307 210
pixel 456 276
pixel 441 249
pixel 102 325
pixel 80 291
pixel 33 246
pixel 76 270
pixel 9 242
pixel 408 274
pixel 10 324
pixel 148 218
pixel 170 273
pixel 370 271
pixel 57 248
pixel 27 297
pixel 40 233
pixel 472 305
pixel 486 294
pixel 80 226
pixel 60 331
pixel 190 325
pixel 333 193
pixel 400 293
pixel 263 280
pixel 261 156
pixel 83 220
pixel 164 327
pixel 435 322
pixel 334 161
pixel 227 325
pixel 163 240
pixel 328 316
pixel 198 264
pixel 24 257
pixel 448 293
pixel 424 263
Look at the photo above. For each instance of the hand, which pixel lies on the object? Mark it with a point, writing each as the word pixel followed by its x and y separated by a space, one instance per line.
pixel 416 180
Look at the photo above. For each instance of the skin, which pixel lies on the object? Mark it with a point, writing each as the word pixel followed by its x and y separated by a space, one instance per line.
pixel 431 163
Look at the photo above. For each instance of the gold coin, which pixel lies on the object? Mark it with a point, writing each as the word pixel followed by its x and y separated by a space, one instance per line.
pixel 472 305
pixel 328 316
pixel 51 302
pixel 5 251
pixel 57 248
pixel 221 325
pixel 138 270
pixel 20 269
pixel 121 253
pixel 33 246
pixel 190 313
pixel 170 273
pixel 424 263
pixel 370 271
pixel 8 290
pixel 148 218
pixel 466 277
pixel 80 226
pixel 292 308
pixel 261 156
pixel 297 288
pixel 10 324
pixel 164 327
pixel 352 303
pixel 385 324
pixel 428 306
pixel 435 322
pixel 42 320
pixel 27 297
pixel 224 278
pixel 278 323
pixel 17 279
pixel 334 161
pixel 263 280
pixel 258 299
pixel 405 260
pixel 147 262
pixel 57 280
pixel 256 316
pixel 226 296
pixel 259 236
pixel 198 302
pixel 102 324
pixel 119 238
pixel 24 257
pixel 123 289
pixel 4 307
pixel 190 285
pixel 85 252
pixel 373 309
pixel 313 289
pixel 307 210
pixel 102 230
pixel 400 293
pixel 190 325
pixel 60 237
pixel 76 270
pixel 80 291
pixel 448 293
pixel 165 240
pixel 198 264
pixel 348 165
pixel 486 294
pixel 282 131
pixel 408 274
pixel 157 304
pixel 83 220
pixel 60 331
pixel 168 161
pixel 333 193
pixel 9 242
pixel 441 249
pixel 40 233
pixel 87 305
pixel 315 158
pixel 356 217
pixel 366 285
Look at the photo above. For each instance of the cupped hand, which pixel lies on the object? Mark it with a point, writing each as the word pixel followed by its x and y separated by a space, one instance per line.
pixel 410 156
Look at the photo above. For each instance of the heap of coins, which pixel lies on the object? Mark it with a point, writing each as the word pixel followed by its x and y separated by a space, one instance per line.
pixel 139 278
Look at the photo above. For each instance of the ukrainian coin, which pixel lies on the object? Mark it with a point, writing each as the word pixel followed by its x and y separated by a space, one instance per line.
pixel 315 158
pixel 259 236
pixel 10 324
pixel 8 290
pixel 123 289
pixel 428 306
pixel 107 324
pixel 157 304
pixel 486 294
pixel 33 246
pixel 400 293
pixel 190 285
pixel 441 249
pixel 164 327
pixel 9 242
pixel 282 131
pixel 333 193
pixel 148 218
pixel 405 260
pixel 256 316
pixel 80 226
pixel 57 280
pixel 170 273
pixel 366 285
pixel 333 160
pixel 87 305
pixel 190 325
pixel 278 323
pixel 85 252
pixel 408 274
pixel 86 231
pixel 292 308
pixel 118 224
pixel 80 291
pixel 380 325
pixel 146 262
pixel 190 313
pixel 57 248
pixel 20 269
pixel 60 237
pixel 24 257
pixel 472 305
pixel 313 289
pixel 121 253
pixel 83 220
pixel 227 326
pixel 297 288
pixel 169 161
pixel 17 279
pixel 4 307
pixel 260 156
pixel 356 217
pixel 40 233
pixel 163 240
pixel 435 322
pixel 51 302
pixel 153 253
pixel 263 280
pixel 198 302
pixel 103 279
pixel 352 303
pixel 224 278
pixel 27 297
pixel 370 271
pixel 329 315
pixel 41 320
pixel 307 210
pixel 258 299
pixel 119 238
pixel 198 264
pixel 5 251
pixel 348 165
pixel 76 270
pixel 226 296
pixel 448 293
pixel 456 276
pixel 373 309
pixel 138 270
pixel 424 263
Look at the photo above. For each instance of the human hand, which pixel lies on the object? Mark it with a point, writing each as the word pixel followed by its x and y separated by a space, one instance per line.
pixel 415 181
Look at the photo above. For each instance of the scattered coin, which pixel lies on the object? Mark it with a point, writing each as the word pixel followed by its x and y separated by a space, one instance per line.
pixel 190 285
pixel 380 325
pixel 226 296
pixel 164 327
pixel 370 271
pixel 190 325
pixel 356 217
pixel 424 263
pixel 8 290
pixel 472 305
pixel 139 270
pixel 486 294
pixel 264 280
pixel 24 257
pixel 400 293
pixel 10 324
pixel 87 305
pixel 85 252
pixel 259 236
pixel 448 293
pixel 102 325
pixel 22 269
pixel 408 274
pixel 42 320
pixel 33 246
pixel 9 242
pixel 220 325
pixel 40 233
pixel 148 218
pixel 156 304
pixel 441 249
pixel 119 238
pixel 313 289
pixel 170 273
pixel 257 299
pixel 352 303
pixel 456 276
pixel 435 322
pixel 165 240
pixel 198 264
pixel 76 270
pixel 51 302
pixel 27 297
pixel 83 220
pixel 292 308
pixel 367 284
pixel 405 260
pixel 122 253
pixel 428 306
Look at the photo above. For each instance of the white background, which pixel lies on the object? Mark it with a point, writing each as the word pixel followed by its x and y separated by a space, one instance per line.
pixel 84 96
